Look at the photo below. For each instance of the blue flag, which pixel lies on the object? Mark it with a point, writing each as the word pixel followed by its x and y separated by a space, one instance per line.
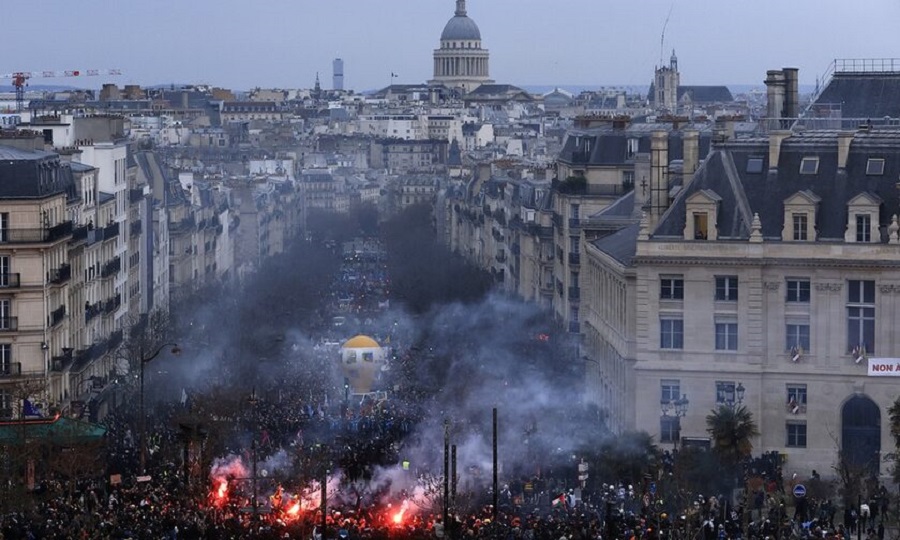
pixel 28 409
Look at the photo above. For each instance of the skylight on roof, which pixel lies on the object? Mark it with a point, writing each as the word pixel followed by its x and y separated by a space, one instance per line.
pixel 755 165
pixel 875 166
pixel 809 165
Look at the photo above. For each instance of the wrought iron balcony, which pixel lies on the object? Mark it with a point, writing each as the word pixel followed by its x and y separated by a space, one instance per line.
pixel 111 231
pixel 111 268
pixel 112 304
pixel 11 369
pixel 135 195
pixel 92 310
pixel 79 233
pixel 36 236
pixel 60 363
pixel 57 315
pixel 61 274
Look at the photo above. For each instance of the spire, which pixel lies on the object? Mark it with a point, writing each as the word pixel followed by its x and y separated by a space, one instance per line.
pixel 460 8
pixel 673 61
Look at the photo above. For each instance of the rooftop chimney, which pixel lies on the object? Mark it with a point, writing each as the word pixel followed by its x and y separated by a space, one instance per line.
pixel 791 92
pixel 659 175
pixel 690 154
pixel 775 90
pixel 844 140
pixel 775 139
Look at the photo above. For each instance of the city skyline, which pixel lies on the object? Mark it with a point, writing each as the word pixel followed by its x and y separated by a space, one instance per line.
pixel 592 43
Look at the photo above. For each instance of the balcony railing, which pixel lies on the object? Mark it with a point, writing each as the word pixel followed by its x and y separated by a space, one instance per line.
pixel 135 195
pixel 11 369
pixel 60 363
pixel 115 339
pixel 57 315
pixel 61 274
pixel 135 227
pixel 574 223
pixel 111 268
pixel 9 324
pixel 9 281
pixel 92 310
pixel 34 236
pixel 79 233
pixel 574 258
pixel 112 304
pixel 574 293
pixel 111 231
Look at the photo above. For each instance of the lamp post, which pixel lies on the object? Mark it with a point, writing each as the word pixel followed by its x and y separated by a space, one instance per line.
pixel 729 395
pixel 146 359
pixel 679 408
pixel 253 401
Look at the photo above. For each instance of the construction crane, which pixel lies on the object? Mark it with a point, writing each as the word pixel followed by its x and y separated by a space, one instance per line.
pixel 20 79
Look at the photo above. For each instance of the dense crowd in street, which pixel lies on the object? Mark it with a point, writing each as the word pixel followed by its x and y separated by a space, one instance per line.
pixel 304 420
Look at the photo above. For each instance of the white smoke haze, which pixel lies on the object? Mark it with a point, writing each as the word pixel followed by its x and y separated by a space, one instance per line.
pixel 460 360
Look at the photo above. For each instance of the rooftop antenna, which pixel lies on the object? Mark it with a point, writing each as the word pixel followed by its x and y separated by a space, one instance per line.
pixel 662 38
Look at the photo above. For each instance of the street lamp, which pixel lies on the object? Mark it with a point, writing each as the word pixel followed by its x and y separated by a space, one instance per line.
pixel 253 401
pixel 729 395
pixel 679 407
pixel 145 359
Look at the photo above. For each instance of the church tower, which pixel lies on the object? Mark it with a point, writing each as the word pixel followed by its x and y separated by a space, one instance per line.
pixel 665 86
pixel 460 63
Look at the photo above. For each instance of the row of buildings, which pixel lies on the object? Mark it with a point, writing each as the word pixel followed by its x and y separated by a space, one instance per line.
pixel 718 263
pixel 96 236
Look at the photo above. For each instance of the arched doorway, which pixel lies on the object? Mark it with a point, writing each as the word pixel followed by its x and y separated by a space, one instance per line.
pixel 861 434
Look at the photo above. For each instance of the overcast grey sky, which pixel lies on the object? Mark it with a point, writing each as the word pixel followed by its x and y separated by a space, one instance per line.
pixel 241 44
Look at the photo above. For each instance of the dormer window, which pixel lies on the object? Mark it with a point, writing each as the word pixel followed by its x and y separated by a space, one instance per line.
pixel 702 215
pixel 862 219
pixel 863 228
pixel 809 165
pixel 875 167
pixel 755 165
pixel 800 217
pixel 801 225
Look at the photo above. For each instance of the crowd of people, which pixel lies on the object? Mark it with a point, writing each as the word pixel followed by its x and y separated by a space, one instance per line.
pixel 301 425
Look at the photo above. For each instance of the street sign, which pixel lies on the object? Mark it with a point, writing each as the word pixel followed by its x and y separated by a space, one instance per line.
pixel 799 491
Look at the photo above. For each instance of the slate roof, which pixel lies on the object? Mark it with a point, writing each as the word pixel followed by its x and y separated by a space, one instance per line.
pixel 743 193
pixel 706 94
pixel 461 28
pixel 620 245
pixel 610 146
pixel 622 208
pixel 26 174
pixel 863 95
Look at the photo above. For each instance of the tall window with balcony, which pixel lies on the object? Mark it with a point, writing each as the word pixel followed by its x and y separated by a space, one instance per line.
pixel 6 364
pixel 861 315
pixel 4 271
pixel 6 320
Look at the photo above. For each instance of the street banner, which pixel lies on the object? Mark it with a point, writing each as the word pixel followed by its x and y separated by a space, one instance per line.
pixel 884 367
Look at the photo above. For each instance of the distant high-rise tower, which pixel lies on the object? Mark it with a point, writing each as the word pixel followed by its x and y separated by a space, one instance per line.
pixel 461 63
pixel 338 77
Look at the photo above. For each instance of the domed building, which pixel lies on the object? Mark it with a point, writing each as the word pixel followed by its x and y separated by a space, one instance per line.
pixel 362 358
pixel 461 63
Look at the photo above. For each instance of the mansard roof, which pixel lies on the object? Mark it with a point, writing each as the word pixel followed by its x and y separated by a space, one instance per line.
pixel 744 193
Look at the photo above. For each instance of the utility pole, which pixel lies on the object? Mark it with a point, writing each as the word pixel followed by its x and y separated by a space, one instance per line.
pixel 495 467
pixel 446 473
